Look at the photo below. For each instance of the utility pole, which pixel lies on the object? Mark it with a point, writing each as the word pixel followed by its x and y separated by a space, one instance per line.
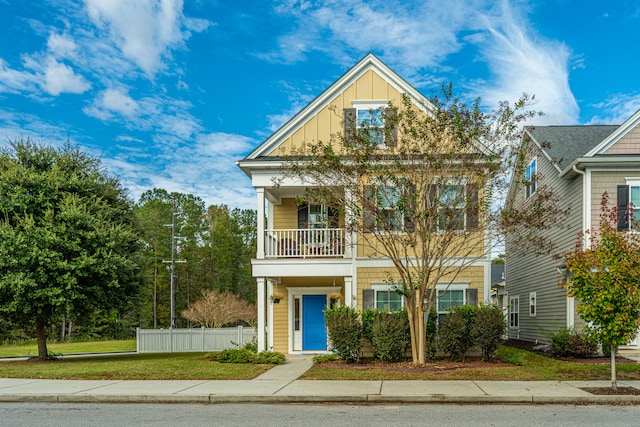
pixel 173 262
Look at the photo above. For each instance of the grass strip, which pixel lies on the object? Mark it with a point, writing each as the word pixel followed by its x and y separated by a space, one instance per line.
pixel 174 366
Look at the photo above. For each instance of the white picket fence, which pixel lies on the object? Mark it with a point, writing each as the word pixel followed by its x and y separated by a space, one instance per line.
pixel 192 340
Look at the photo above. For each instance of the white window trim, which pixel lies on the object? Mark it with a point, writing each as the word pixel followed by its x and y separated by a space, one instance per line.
pixel 384 287
pixel 633 182
pixel 371 104
pixel 451 287
pixel 376 183
pixel 464 181
pixel 511 311
pixel 533 302
pixel 533 183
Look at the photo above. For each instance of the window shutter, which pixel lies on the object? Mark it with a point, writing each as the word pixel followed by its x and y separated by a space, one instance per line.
pixel 368 299
pixel 472 297
pixel 368 217
pixel 472 207
pixel 432 208
pixel 623 207
pixel 410 210
pixel 350 117
pixel 391 135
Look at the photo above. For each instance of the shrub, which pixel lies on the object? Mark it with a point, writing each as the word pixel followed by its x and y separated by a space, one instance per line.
pixel 569 342
pixel 390 335
pixel 246 355
pixel 432 332
pixel 321 358
pixel 454 334
pixel 345 332
pixel 488 329
pixel 234 355
pixel 270 358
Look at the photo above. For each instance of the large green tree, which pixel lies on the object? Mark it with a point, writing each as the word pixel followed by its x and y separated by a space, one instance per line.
pixel 67 237
pixel 605 278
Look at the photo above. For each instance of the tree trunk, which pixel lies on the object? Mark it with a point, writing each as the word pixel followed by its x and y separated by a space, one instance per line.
pixel 41 335
pixel 614 380
pixel 411 310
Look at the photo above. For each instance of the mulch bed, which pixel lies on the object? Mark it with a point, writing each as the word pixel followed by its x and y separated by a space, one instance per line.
pixel 408 366
pixel 606 391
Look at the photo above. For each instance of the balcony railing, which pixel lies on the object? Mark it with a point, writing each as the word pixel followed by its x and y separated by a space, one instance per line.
pixel 304 243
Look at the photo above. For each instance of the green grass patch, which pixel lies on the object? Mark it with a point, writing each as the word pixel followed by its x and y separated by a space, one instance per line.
pixel 515 365
pixel 173 366
pixel 31 348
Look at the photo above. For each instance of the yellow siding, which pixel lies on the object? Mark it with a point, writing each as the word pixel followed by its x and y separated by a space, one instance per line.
pixel 367 276
pixel 328 121
pixel 285 215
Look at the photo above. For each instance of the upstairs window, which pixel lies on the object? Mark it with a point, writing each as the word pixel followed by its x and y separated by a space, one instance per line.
pixel 371 122
pixel 388 208
pixel 530 177
pixel 629 205
pixel 451 208
pixel 457 204
pixel 367 121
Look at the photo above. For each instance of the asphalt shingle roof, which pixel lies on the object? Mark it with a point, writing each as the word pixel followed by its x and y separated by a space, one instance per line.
pixel 564 144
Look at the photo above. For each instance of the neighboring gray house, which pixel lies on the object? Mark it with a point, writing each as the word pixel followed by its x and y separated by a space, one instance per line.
pixel 579 164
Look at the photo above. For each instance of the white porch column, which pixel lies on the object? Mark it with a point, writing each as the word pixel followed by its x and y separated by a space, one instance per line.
pixel 261 299
pixel 260 216
pixel 348 292
pixel 269 315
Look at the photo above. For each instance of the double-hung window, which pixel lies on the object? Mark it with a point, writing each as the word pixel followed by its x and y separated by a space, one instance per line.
pixel 532 304
pixel 453 296
pixel 514 308
pixel 391 216
pixel 371 122
pixel 451 207
pixel 530 177
pixel 366 120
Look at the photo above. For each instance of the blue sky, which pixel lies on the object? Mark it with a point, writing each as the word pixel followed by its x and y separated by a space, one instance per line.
pixel 170 93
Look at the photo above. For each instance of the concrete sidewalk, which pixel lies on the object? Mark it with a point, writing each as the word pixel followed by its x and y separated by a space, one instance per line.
pixel 280 385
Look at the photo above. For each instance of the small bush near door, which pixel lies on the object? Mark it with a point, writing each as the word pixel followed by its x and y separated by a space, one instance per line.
pixel 569 342
pixel 345 332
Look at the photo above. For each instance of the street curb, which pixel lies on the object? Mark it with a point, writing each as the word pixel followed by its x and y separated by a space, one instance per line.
pixel 362 399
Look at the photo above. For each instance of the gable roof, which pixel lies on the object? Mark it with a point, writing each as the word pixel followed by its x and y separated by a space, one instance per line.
pixel 565 144
pixel 368 62
pixel 614 137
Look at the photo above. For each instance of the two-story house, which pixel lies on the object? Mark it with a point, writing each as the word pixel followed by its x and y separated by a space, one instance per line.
pixel 577 164
pixel 307 259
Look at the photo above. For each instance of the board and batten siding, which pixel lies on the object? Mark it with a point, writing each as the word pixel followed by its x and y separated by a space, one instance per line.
pixel 329 119
pixel 538 273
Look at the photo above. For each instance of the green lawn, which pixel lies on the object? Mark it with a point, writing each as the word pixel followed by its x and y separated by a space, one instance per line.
pixel 174 366
pixel 522 365
pixel 31 348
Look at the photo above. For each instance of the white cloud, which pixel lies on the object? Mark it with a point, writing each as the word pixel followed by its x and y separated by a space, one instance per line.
pixel 617 109
pixel 523 62
pixel 62 46
pixel 15 81
pixel 60 78
pixel 417 39
pixel 144 30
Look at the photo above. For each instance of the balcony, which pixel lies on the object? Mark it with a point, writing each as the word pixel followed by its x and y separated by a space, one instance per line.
pixel 305 243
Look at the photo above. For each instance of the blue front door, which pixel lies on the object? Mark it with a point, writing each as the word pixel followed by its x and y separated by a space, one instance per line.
pixel 314 333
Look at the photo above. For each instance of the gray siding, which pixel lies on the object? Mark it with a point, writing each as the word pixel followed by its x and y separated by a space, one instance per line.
pixel 530 273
